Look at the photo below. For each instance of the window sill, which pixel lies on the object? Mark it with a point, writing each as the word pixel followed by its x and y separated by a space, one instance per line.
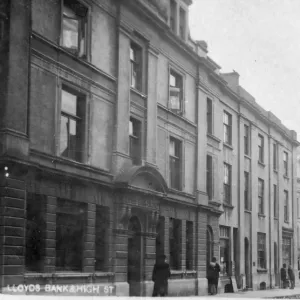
pixel 276 218
pixel 261 215
pixel 286 221
pixel 214 203
pixel 248 211
pixel 286 177
pixel 261 163
pixel 228 205
pixel 247 156
pixel 139 93
pixel 275 171
pixel 213 137
pixel 227 146
pixel 262 270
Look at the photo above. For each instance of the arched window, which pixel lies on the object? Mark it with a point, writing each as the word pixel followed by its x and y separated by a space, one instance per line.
pixel 209 245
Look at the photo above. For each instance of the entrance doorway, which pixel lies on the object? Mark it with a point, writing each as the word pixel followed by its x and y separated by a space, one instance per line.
pixel 247 264
pixel 134 256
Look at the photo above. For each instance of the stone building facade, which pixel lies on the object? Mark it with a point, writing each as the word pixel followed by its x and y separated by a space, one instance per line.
pixel 121 140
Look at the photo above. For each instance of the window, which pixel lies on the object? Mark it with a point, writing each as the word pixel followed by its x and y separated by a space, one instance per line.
pixel 135 141
pixel 274 157
pixel 209 245
pixel 224 250
pixel 176 93
pixel 286 250
pixel 246 191
pixel 246 140
pixel 72 124
pixel 209 116
pixel 173 16
pixel 175 243
pixel 260 148
pixel 209 176
pixel 35 232
pixel 285 163
pixel 261 250
pixel 74 27
pixel 275 201
pixel 175 163
pixel 182 24
pixel 136 66
pixel 227 183
pixel 227 122
pixel 70 224
pixel 101 238
pixel 260 196
pixel 189 245
pixel 286 206
pixel 160 237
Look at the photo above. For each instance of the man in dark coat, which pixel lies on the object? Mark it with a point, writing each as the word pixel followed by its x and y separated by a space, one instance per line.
pixel 161 274
pixel 291 277
pixel 213 276
pixel 284 276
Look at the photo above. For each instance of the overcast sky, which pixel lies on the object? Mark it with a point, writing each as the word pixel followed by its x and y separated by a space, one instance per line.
pixel 260 39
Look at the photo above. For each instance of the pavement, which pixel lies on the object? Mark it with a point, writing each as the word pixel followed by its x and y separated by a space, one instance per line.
pixel 273 293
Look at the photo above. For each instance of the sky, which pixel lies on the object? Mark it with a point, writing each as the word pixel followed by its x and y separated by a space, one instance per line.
pixel 259 39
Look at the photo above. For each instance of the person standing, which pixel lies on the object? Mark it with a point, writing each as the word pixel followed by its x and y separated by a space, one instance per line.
pixel 284 276
pixel 213 276
pixel 161 274
pixel 291 276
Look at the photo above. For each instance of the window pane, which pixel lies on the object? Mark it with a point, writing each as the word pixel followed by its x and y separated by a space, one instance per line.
pixel 69 103
pixel 70 32
pixel 132 54
pixel 172 147
pixel 130 127
pixel 64 129
pixel 172 80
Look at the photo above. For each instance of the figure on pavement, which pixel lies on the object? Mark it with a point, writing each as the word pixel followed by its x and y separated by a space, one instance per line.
pixel 284 276
pixel 213 276
pixel 291 276
pixel 161 274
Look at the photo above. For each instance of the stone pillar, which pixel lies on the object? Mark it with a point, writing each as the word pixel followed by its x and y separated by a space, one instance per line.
pixel 183 245
pixel 150 257
pixel 89 240
pixel 121 262
pixel 50 243
pixel 12 229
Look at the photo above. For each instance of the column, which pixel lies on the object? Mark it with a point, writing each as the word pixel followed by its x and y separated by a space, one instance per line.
pixel 50 243
pixel 12 229
pixel 151 106
pixel 150 258
pixel 89 240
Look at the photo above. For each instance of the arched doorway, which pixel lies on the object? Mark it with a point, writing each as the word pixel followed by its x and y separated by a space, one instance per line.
pixel 247 264
pixel 134 256
pixel 209 245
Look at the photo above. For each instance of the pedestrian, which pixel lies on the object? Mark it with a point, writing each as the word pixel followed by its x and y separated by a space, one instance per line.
pixel 161 274
pixel 291 276
pixel 213 271
pixel 284 276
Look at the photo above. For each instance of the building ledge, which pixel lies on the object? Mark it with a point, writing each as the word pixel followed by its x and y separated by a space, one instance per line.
pixel 228 146
pixel 261 215
pixel 261 163
pixel 227 205
pixel 139 93
pixel 286 177
pixel 213 137
pixel 214 203
pixel 247 156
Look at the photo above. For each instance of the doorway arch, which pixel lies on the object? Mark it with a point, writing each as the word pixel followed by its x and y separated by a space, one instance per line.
pixel 247 263
pixel 134 270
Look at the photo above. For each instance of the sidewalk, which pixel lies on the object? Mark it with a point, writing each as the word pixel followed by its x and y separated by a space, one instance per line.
pixel 274 293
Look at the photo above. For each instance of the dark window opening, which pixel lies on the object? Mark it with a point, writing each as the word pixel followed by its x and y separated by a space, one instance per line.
pixel 285 163
pixel 175 243
pixel 286 206
pixel 182 24
pixel 135 144
pixel 209 116
pixel 261 184
pixel 260 148
pixel 275 200
pixel 160 237
pixel 246 140
pixel 173 16
pixel 261 250
pixel 176 92
pixel 227 124
pixel 35 232
pixel 227 183
pixel 209 177
pixel 246 191
pixel 274 157
pixel 189 245
pixel 175 163
pixel 136 66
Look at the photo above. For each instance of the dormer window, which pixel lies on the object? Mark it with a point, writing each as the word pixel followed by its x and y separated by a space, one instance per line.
pixel 182 23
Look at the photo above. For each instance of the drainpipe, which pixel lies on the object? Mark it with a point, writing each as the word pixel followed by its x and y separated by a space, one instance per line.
pixel 270 211
pixel 238 238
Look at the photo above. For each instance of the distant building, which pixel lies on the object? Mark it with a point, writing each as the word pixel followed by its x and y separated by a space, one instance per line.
pixel 120 140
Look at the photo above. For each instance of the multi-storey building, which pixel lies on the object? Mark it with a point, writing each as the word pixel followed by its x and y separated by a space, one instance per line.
pixel 121 140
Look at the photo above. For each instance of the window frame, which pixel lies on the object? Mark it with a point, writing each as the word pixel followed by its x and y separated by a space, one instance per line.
pixel 179 161
pixel 87 29
pixel 285 163
pixel 286 206
pixel 137 62
pixel 84 98
pixel 227 128
pixel 260 196
pixel 209 116
pixel 261 259
pixel 227 185
pixel 177 89
pixel 247 204
pixel 261 149
pixel 246 139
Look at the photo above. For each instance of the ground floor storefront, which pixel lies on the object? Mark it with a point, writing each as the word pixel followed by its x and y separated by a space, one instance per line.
pixel 62 230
